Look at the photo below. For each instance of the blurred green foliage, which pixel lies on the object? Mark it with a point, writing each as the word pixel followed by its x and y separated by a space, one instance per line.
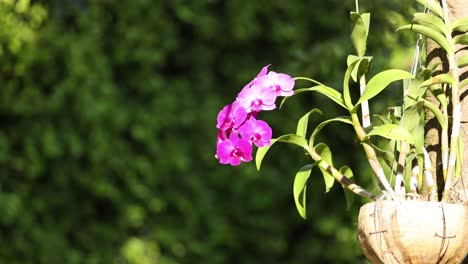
pixel 107 130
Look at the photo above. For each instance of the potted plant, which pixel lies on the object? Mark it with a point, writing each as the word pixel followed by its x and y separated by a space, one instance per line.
pixel 416 217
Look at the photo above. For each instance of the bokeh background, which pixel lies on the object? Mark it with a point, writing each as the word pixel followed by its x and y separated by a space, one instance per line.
pixel 107 129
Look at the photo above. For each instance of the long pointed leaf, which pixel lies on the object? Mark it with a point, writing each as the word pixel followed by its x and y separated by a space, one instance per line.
pixel 392 131
pixel 436 111
pixel 460 25
pixel 463 61
pixel 461 39
pixel 433 5
pixel 300 187
pixel 432 21
pixel 441 78
pixel 360 31
pixel 324 151
pixel 329 92
pixel 301 129
pixel 428 32
pixel 346 94
pixel 380 81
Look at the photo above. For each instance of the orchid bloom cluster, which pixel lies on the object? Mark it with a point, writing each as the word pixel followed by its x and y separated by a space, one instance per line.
pixel 238 127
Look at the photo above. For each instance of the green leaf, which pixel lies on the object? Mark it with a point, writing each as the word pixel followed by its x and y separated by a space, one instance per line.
pixel 343 119
pixel 361 67
pixel 387 156
pixel 346 94
pixel 441 78
pixel 300 187
pixel 434 22
pixel 463 61
pixel 383 119
pixel 463 83
pixel 380 81
pixel 433 5
pixel 415 90
pixel 430 33
pixel 288 138
pixel 261 152
pixel 413 121
pixel 301 129
pixel 360 31
pixel 461 39
pixel 329 92
pixel 392 131
pixel 411 117
pixel 324 151
pixel 436 111
pixel 460 25
pixel 349 195
pixel 352 59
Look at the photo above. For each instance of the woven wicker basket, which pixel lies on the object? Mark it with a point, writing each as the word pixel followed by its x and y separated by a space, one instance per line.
pixel 416 232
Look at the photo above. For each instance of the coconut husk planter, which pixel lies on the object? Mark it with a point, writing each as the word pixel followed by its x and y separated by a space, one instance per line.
pixel 413 231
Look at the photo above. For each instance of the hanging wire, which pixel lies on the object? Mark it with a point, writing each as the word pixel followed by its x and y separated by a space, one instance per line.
pixel 357 5
pixel 416 63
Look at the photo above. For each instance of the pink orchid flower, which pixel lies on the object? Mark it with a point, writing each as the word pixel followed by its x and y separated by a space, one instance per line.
pixel 231 117
pixel 257 132
pixel 281 83
pixel 234 150
pixel 257 98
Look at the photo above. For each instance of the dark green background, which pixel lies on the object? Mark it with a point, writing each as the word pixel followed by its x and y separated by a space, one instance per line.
pixel 107 129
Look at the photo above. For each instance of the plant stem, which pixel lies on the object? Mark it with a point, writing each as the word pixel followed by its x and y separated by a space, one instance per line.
pixel 399 181
pixel 366 123
pixel 345 181
pixel 372 157
pixel 456 113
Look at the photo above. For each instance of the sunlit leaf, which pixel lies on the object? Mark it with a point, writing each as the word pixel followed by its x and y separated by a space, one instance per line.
pixel 301 129
pixel 324 151
pixel 463 61
pixel 430 33
pixel 392 131
pixel 329 92
pixel 433 5
pixel 441 78
pixel 360 31
pixel 460 24
pixel 349 195
pixel 352 59
pixel 380 81
pixel 300 187
pixel 436 111
pixel 343 119
pixel 346 94
pixel 383 119
pixel 461 39
pixel 432 21
pixel 463 83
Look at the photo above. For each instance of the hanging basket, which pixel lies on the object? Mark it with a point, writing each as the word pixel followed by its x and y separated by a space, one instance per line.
pixel 416 232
